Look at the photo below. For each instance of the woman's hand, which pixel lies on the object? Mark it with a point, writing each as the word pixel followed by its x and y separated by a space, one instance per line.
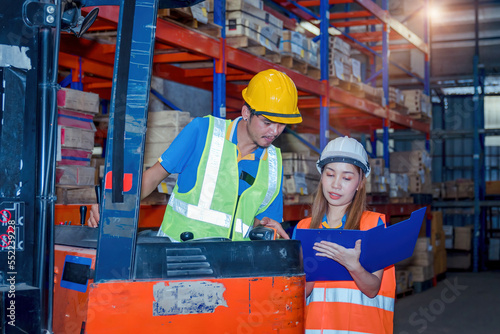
pixel 268 222
pixel 348 257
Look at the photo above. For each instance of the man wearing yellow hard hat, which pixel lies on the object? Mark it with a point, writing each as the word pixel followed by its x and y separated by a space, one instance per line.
pixel 230 174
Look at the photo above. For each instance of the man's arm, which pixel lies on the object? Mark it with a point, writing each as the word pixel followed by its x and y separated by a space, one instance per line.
pixel 151 178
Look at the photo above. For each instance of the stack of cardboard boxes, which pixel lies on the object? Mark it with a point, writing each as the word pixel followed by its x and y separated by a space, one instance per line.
pixel 300 177
pixel 378 180
pixel 339 64
pixel 162 128
pixel 418 104
pixel 413 172
pixel 76 110
pixel 299 47
pixel 247 18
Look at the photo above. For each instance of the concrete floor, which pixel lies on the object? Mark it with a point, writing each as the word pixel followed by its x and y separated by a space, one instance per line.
pixel 462 303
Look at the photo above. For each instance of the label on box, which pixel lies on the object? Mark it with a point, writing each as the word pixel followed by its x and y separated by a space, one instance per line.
pixel 339 69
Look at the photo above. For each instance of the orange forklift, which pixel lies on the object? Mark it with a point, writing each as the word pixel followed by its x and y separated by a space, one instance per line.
pixel 114 279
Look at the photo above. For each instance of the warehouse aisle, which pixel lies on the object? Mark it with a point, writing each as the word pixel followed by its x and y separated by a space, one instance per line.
pixel 463 303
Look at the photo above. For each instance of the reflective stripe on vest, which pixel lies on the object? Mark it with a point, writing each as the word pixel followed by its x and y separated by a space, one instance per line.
pixel 330 331
pixel 213 163
pixel 240 227
pixel 273 176
pixel 340 295
pixel 196 212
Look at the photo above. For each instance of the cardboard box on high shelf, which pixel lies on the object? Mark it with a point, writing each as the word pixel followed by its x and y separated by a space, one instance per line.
pixel 294 43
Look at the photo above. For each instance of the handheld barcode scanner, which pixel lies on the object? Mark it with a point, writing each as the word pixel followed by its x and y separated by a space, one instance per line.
pixel 263 233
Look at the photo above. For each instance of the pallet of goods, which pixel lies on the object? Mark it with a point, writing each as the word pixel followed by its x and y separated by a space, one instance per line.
pixel 294 51
pixel 339 63
pixel 418 104
pixel 300 177
pixel 415 168
pixel 250 28
pixel 194 17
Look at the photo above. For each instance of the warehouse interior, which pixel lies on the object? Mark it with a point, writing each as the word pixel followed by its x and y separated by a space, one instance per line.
pixel 416 82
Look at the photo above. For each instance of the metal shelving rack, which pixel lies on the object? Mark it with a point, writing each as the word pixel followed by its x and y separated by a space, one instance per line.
pixel 225 70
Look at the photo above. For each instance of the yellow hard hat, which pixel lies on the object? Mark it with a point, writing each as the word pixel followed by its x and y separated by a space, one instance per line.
pixel 273 94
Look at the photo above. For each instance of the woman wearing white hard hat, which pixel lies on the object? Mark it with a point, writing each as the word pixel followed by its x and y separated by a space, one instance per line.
pixel 366 304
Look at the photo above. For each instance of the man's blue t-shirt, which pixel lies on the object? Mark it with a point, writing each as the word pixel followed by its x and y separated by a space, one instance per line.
pixel 184 154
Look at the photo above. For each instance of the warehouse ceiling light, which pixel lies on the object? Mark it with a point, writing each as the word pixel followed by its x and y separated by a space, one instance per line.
pixel 435 12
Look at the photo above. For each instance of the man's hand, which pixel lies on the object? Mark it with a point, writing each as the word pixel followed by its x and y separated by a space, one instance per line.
pixel 93 220
pixel 268 222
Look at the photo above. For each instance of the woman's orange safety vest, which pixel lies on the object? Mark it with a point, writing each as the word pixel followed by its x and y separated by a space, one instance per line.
pixel 340 307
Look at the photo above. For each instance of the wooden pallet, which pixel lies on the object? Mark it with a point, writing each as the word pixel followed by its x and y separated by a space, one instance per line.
pixel 292 61
pixel 184 17
pixel 313 72
pixel 254 47
pixel 420 116
pixel 336 82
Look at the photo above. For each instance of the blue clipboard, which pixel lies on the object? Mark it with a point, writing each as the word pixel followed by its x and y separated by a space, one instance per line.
pixel 380 247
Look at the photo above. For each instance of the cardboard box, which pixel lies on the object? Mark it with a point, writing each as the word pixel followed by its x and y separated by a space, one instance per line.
pixel 462 238
pixel 76 119
pixel 73 99
pixel 162 134
pixel 458 260
pixel 72 156
pixel 492 187
pixel 423 244
pixel 173 118
pixel 75 175
pixel 232 5
pixel 423 258
pixel 337 44
pixel 70 137
pixel 422 273
pixel 404 280
pixel 294 43
pixel 377 166
pixel 410 161
pixel 313 53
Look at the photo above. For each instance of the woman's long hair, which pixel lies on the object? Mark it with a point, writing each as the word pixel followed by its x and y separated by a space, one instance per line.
pixel 354 210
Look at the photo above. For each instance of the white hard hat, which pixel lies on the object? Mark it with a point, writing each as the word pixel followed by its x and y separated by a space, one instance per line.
pixel 345 149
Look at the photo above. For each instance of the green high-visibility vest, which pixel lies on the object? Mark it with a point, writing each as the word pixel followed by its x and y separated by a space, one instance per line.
pixel 212 208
